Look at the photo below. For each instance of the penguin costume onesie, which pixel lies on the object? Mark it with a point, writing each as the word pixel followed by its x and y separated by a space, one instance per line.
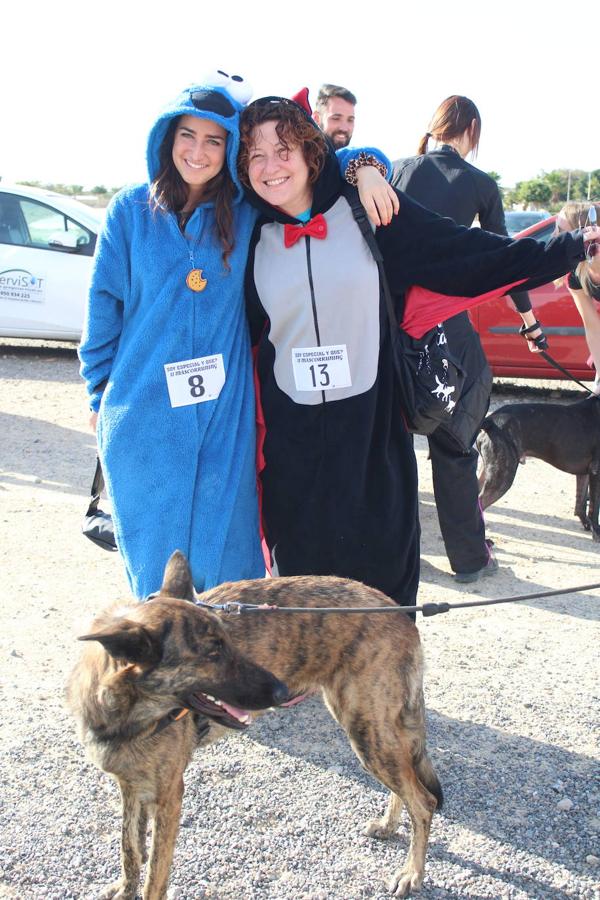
pixel 166 360
pixel 339 483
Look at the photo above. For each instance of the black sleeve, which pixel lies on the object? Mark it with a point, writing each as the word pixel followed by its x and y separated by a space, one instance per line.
pixel 521 300
pixel 419 247
pixel 397 172
pixel 255 313
pixel 491 214
pixel 491 217
pixel 573 282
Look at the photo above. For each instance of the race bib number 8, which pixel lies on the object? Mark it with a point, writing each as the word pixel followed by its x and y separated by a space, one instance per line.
pixel 195 380
pixel 321 368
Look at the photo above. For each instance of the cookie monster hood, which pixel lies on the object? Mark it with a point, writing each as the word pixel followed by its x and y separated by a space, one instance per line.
pixel 219 98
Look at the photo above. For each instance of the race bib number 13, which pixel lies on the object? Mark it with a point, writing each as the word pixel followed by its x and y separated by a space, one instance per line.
pixel 321 368
pixel 195 380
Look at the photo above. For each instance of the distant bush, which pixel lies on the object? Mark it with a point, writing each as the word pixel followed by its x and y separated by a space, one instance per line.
pixel 74 190
pixel 550 189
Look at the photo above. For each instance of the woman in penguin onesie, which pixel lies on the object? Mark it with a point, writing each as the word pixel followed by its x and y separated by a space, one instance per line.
pixel 165 352
pixel 339 482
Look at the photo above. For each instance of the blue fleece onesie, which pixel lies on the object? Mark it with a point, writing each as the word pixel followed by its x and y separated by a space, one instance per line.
pixel 179 477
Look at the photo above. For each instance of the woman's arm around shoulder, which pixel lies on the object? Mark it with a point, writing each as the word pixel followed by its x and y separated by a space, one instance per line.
pixel 369 170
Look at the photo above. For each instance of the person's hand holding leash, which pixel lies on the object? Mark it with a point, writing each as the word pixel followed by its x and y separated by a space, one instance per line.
pixel 532 331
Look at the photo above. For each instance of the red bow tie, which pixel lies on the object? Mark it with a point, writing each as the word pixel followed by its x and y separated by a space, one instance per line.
pixel 316 227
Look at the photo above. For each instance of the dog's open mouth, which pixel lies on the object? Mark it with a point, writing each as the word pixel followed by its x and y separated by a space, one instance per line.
pixel 221 712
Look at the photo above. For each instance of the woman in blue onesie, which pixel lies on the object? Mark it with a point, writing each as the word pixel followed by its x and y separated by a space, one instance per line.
pixel 165 352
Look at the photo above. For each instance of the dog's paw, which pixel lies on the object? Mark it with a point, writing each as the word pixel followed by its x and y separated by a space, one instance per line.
pixel 119 890
pixel 380 829
pixel 405 882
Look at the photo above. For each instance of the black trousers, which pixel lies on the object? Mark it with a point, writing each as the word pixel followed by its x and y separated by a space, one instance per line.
pixel 454 471
pixel 456 494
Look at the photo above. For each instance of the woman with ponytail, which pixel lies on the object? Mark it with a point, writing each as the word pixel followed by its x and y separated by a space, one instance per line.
pixel 440 178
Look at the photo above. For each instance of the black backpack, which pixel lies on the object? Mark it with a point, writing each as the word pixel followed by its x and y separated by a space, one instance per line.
pixel 429 378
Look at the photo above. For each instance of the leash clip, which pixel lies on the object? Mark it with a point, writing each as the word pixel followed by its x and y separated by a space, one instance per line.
pixel 232 608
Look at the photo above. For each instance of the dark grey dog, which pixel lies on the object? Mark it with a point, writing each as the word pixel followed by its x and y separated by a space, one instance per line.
pixel 565 435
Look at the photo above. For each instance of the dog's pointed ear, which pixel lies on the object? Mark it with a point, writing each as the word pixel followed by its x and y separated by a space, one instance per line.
pixel 128 640
pixel 177 580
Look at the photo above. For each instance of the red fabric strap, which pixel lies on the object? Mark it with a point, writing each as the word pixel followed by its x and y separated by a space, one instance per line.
pixel 423 309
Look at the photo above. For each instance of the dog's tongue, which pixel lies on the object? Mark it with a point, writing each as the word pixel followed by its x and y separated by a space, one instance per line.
pixel 239 714
pixel 203 704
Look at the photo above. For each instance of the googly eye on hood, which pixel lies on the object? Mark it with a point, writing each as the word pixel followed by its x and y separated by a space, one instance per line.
pixel 219 97
pixel 236 85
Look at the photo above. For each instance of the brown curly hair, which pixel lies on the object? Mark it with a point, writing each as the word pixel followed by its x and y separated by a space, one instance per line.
pixel 169 192
pixel 293 129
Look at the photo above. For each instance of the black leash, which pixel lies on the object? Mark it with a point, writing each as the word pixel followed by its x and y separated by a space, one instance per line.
pixel 557 365
pixel 427 609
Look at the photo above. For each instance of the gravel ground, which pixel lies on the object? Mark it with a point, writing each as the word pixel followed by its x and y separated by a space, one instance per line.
pixel 512 695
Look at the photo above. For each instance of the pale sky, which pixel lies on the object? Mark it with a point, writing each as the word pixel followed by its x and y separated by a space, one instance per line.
pixel 82 82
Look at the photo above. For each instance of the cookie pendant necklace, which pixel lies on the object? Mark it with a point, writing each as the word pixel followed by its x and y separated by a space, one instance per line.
pixel 194 279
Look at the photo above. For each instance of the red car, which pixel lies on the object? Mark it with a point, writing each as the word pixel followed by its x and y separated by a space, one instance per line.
pixel 498 325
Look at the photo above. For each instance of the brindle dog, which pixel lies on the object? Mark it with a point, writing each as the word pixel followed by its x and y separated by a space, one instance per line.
pixel 369 668
pixel 146 666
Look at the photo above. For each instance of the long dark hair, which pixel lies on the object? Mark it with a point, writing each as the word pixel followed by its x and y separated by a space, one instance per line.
pixel 451 119
pixel 169 192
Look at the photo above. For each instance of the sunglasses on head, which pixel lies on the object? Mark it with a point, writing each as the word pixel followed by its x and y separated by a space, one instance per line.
pixel 273 102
